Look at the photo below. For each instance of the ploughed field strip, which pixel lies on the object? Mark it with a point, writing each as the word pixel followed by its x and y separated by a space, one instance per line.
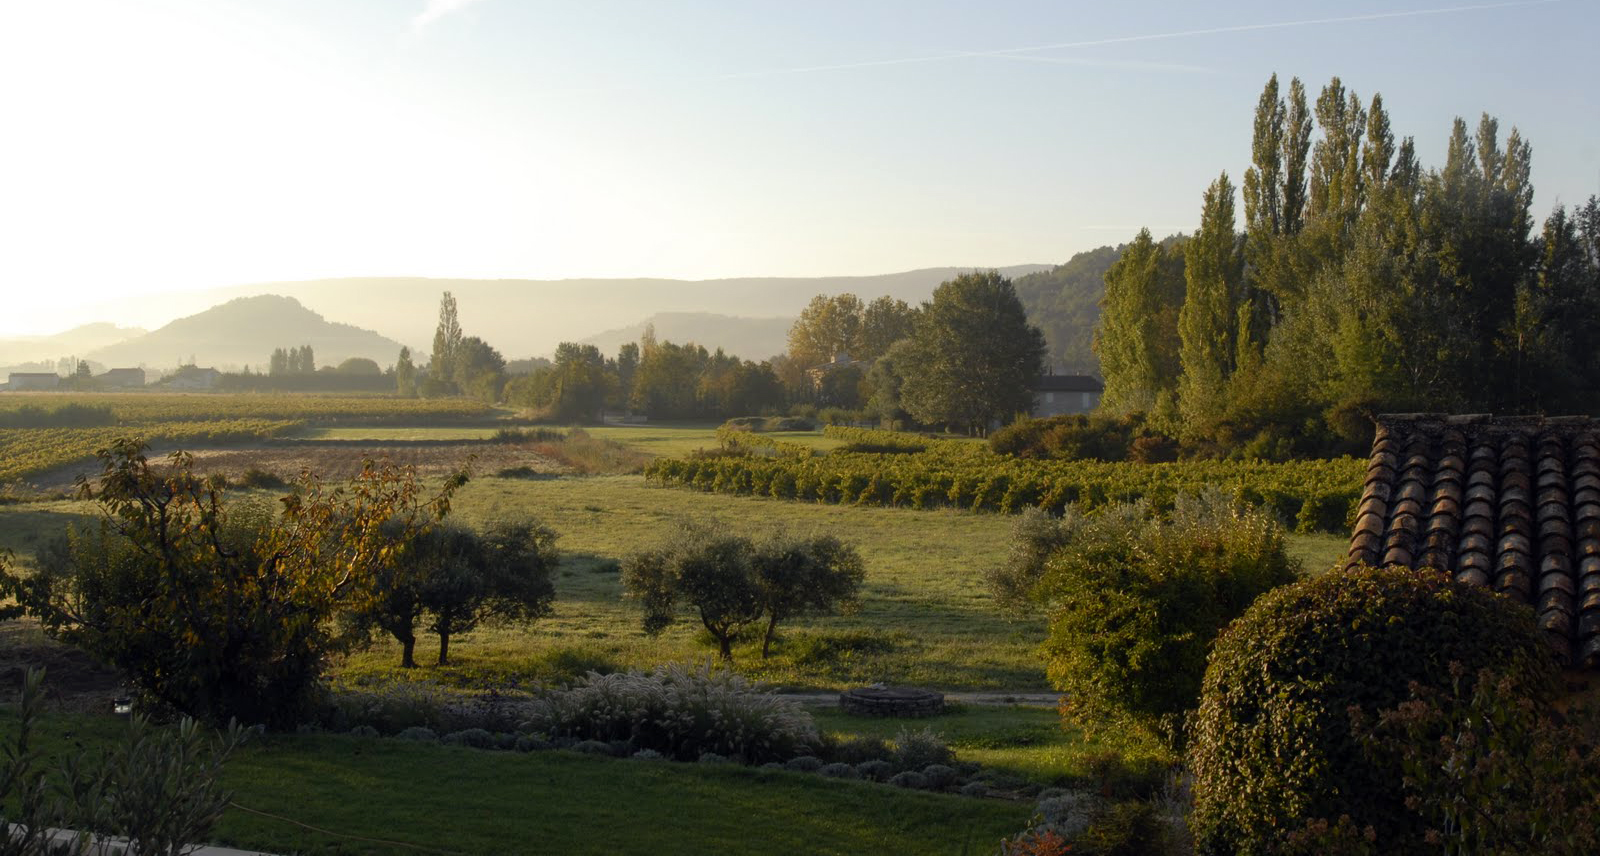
pixel 1511 503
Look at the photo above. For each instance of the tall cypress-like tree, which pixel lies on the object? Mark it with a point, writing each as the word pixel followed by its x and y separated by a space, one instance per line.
pixel 1208 323
pixel 1138 332
pixel 446 342
pixel 1296 151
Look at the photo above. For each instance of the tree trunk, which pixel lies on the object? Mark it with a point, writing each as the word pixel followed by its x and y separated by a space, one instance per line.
pixel 725 643
pixel 444 649
pixel 408 650
pixel 766 641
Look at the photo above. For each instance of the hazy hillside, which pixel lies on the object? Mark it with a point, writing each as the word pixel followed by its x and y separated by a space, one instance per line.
pixel 750 338
pixel 245 331
pixel 529 317
pixel 1065 304
pixel 78 341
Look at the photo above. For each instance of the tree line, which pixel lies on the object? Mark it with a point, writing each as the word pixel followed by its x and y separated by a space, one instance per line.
pixel 968 358
pixel 1359 283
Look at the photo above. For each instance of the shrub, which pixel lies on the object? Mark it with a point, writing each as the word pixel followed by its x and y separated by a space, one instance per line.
pixel 914 750
pixel 420 734
pixel 939 776
pixel 713 758
pixel 160 789
pixel 875 770
pixel 648 755
pixel 1492 770
pixel 593 747
pixel 392 708
pixel 530 743
pixel 680 712
pixel 803 764
pixel 364 731
pixel 838 771
pixel 1273 745
pixel 476 738
pixel 909 779
pixel 857 749
pixel 1135 603
pixel 974 789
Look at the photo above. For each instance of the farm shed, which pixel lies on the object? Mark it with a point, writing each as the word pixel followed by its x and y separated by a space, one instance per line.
pixel 1511 502
pixel 1059 395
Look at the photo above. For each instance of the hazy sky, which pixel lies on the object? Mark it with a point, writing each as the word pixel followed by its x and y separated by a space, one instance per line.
pixel 164 145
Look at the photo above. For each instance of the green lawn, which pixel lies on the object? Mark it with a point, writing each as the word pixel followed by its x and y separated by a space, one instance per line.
pixel 679 440
pixel 1025 741
pixel 926 616
pixel 474 801
pixel 379 433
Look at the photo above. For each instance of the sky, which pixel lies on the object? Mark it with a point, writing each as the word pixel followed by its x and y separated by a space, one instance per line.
pixel 169 145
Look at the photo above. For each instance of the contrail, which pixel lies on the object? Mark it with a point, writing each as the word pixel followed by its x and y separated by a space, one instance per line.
pixel 1149 37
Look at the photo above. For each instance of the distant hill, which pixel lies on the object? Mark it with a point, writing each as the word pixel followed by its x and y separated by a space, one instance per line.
pixel 524 317
pixel 244 331
pixel 749 338
pixel 1064 302
pixel 77 342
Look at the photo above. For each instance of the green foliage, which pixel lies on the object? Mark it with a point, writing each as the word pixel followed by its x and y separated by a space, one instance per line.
pixel 1272 745
pixel 1065 303
pixel 1084 437
pixel 158 789
pixel 915 750
pixel 1137 337
pixel 681 712
pixel 965 474
pixel 217 610
pixel 1135 602
pixel 973 357
pixel 734 581
pixel 1493 770
pixel 450 579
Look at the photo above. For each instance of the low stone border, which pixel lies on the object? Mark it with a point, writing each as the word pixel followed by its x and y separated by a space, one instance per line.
pixel 891 701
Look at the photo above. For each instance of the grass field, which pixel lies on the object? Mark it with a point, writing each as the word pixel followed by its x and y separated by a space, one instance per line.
pixel 469 801
pixel 926 617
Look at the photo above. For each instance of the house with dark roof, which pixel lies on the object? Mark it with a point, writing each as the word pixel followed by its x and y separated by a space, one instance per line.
pixel 1509 503
pixel 122 378
pixel 1058 395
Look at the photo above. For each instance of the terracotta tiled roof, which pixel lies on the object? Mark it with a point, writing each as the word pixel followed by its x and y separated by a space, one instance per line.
pixel 1510 503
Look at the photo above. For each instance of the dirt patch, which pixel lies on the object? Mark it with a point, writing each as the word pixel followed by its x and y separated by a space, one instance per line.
pixel 72 680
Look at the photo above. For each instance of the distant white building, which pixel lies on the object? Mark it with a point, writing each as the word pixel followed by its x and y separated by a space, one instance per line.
pixel 194 377
pixel 1060 395
pixel 26 381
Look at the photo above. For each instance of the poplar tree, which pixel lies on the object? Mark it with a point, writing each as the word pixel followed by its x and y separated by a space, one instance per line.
pixel 1138 332
pixel 1208 324
pixel 446 341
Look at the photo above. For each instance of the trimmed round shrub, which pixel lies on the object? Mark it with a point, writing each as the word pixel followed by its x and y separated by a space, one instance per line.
pixel 1272 745
pixel 594 747
pixel 505 740
pixel 803 764
pixel 363 731
pixel 914 750
pixel 974 789
pixel 648 755
pixel 714 758
pixel 939 776
pixel 772 765
pixel 908 779
pixel 875 770
pixel 477 738
pixel 529 743
pixel 420 733
pixel 839 771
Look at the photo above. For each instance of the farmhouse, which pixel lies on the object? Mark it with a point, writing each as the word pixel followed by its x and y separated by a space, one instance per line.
pixel 1059 395
pixel 25 381
pixel 1512 503
pixel 193 377
pixel 122 378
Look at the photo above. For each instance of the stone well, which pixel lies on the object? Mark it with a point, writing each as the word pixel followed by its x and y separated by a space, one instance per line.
pixel 891 701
